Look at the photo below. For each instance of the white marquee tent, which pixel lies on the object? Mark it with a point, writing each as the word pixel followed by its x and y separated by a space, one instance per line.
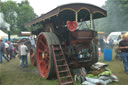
pixel 3 34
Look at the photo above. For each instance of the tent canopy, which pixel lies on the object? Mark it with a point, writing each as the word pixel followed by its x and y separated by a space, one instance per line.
pixel 67 12
pixel 3 34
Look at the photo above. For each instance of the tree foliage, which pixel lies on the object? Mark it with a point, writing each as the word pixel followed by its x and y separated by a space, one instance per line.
pixel 117 16
pixel 9 9
pixel 25 14
pixel 17 14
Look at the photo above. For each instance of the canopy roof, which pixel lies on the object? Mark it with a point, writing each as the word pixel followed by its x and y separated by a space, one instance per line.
pixel 69 10
pixel 2 34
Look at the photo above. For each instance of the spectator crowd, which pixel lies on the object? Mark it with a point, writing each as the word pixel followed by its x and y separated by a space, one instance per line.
pixel 8 52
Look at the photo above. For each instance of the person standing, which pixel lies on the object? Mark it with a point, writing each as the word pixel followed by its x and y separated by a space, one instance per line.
pixel 123 46
pixel 32 40
pixel 19 54
pixel 23 52
pixel 102 44
pixel 11 50
pixel 2 51
pixel 111 43
pixel 7 48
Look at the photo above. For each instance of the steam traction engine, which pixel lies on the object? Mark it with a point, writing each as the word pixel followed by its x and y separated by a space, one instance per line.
pixel 66 39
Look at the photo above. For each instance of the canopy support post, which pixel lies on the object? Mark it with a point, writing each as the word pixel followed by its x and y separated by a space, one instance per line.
pixel 91 21
pixel 76 17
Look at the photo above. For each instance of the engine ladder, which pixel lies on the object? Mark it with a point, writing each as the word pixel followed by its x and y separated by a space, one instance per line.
pixel 62 70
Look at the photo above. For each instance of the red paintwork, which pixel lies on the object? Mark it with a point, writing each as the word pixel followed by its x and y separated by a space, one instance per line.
pixel 42 63
pixel 32 57
pixel 71 25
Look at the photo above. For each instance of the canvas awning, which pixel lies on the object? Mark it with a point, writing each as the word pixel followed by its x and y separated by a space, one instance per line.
pixel 3 34
pixel 63 10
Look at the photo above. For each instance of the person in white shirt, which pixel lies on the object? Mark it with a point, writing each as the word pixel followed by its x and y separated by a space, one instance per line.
pixel 7 48
pixel 32 40
pixel 23 53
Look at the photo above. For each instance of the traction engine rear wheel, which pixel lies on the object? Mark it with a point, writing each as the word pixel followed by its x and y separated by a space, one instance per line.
pixel 45 61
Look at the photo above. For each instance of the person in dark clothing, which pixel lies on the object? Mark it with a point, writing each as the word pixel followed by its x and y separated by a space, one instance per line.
pixel 11 50
pixel 2 51
pixel 123 46
pixel 111 43
pixel 102 44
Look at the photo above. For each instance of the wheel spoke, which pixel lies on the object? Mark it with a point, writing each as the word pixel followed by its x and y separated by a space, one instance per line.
pixel 47 60
pixel 41 61
pixel 46 65
pixel 40 51
pixel 46 68
pixel 44 45
pixel 46 49
pixel 43 54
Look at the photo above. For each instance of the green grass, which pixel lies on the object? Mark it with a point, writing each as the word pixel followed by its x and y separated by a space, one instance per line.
pixel 13 74
pixel 116 66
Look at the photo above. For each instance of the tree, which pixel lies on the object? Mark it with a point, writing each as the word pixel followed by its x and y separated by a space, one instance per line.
pixel 9 9
pixel 25 14
pixel 17 14
pixel 117 18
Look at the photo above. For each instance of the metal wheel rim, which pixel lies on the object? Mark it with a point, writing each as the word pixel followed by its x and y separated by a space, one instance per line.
pixel 43 61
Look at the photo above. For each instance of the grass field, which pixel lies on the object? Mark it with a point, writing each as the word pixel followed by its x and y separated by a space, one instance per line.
pixel 13 74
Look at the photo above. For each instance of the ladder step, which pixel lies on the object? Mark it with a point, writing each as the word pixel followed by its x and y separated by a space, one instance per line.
pixel 65 77
pixel 70 82
pixel 59 54
pixel 63 71
pixel 57 49
pixel 62 65
pixel 60 60
pixel 55 45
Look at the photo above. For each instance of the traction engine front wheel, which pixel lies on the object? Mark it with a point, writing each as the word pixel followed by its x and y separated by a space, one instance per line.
pixel 45 60
pixel 33 56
